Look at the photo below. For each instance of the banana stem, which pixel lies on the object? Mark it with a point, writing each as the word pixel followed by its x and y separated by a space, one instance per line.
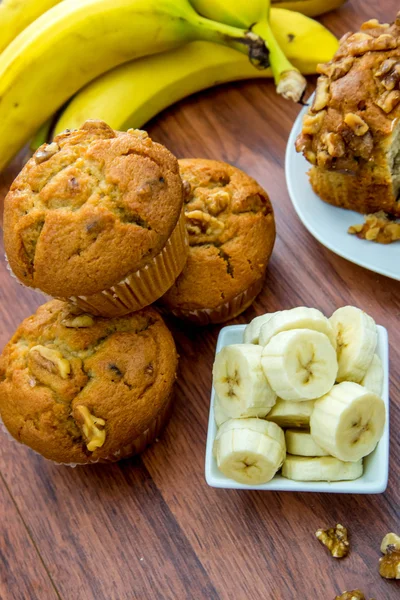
pixel 290 83
pixel 246 42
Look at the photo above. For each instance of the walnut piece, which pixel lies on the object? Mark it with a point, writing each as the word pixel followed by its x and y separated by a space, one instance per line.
pixel 388 100
pixel 310 156
pixel 335 144
pixel 324 159
pixel 373 24
pixel 217 202
pixel 360 43
pixel 378 228
pixel 313 123
pixel 353 595
pixel 199 222
pixel 187 191
pixel 389 565
pixel 45 152
pixel 51 360
pixel 321 94
pixel 92 427
pixel 337 69
pixel 385 67
pixel 356 124
pixel 79 322
pixel 336 540
pixel 303 142
pixel 390 539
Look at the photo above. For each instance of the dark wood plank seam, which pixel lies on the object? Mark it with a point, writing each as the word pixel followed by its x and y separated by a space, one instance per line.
pixel 179 529
pixel 30 537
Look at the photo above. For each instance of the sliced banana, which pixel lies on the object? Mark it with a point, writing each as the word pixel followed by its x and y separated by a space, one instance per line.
pixel 357 337
pixel 252 332
pixel 373 378
pixel 300 364
pixel 348 422
pixel 320 468
pixel 301 443
pixel 249 451
pixel 291 414
pixel 297 318
pixel 240 383
pixel 219 415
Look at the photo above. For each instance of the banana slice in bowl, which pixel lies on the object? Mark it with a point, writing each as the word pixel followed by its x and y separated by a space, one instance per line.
pixel 300 364
pixel 301 317
pixel 301 443
pixel 251 334
pixel 296 414
pixel 240 383
pixel 356 338
pixel 373 378
pixel 321 468
pixel 286 413
pixel 219 414
pixel 348 422
pixel 249 451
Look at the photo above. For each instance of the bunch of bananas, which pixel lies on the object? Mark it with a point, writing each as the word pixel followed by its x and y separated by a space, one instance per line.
pixel 125 60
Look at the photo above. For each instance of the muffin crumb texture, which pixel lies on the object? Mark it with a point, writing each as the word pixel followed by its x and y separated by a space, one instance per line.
pixel 89 208
pixel 84 393
pixel 231 229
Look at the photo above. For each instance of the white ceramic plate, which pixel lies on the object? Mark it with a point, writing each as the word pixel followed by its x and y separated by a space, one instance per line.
pixel 329 224
pixel 376 465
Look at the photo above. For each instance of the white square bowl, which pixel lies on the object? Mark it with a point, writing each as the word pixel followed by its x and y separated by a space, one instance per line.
pixel 376 466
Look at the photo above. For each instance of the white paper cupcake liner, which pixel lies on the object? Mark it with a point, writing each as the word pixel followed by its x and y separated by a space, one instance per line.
pixel 145 286
pixel 137 446
pixel 220 314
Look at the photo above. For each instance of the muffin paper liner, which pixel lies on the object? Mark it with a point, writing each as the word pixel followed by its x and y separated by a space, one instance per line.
pixel 137 446
pixel 224 312
pixel 144 439
pixel 145 286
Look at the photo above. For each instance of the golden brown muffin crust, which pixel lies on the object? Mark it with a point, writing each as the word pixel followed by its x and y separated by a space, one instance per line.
pixel 122 370
pixel 231 230
pixel 353 121
pixel 90 208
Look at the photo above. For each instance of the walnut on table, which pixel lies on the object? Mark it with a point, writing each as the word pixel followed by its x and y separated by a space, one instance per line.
pixel 389 564
pixel 335 539
pixel 378 227
pixel 353 595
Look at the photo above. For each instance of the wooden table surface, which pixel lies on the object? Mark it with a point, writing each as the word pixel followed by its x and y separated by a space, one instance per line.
pixel 150 528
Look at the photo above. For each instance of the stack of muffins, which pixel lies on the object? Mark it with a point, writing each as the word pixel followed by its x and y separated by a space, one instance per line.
pixel 109 223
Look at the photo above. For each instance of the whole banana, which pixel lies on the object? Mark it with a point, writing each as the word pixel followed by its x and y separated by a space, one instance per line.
pixel 15 15
pixel 255 15
pixel 77 40
pixel 310 8
pixel 131 94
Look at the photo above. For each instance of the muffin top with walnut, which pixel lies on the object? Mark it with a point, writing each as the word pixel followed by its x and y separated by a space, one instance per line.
pixel 80 389
pixel 90 208
pixel 231 227
pixel 353 120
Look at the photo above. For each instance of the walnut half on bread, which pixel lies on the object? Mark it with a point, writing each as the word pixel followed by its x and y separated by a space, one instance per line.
pixel 351 132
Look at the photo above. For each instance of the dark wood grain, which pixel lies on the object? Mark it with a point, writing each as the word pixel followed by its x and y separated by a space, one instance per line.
pixel 22 572
pixel 150 528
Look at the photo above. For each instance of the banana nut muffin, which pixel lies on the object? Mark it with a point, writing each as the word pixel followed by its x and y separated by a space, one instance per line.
pixel 231 229
pixel 98 213
pixel 82 389
pixel 351 133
